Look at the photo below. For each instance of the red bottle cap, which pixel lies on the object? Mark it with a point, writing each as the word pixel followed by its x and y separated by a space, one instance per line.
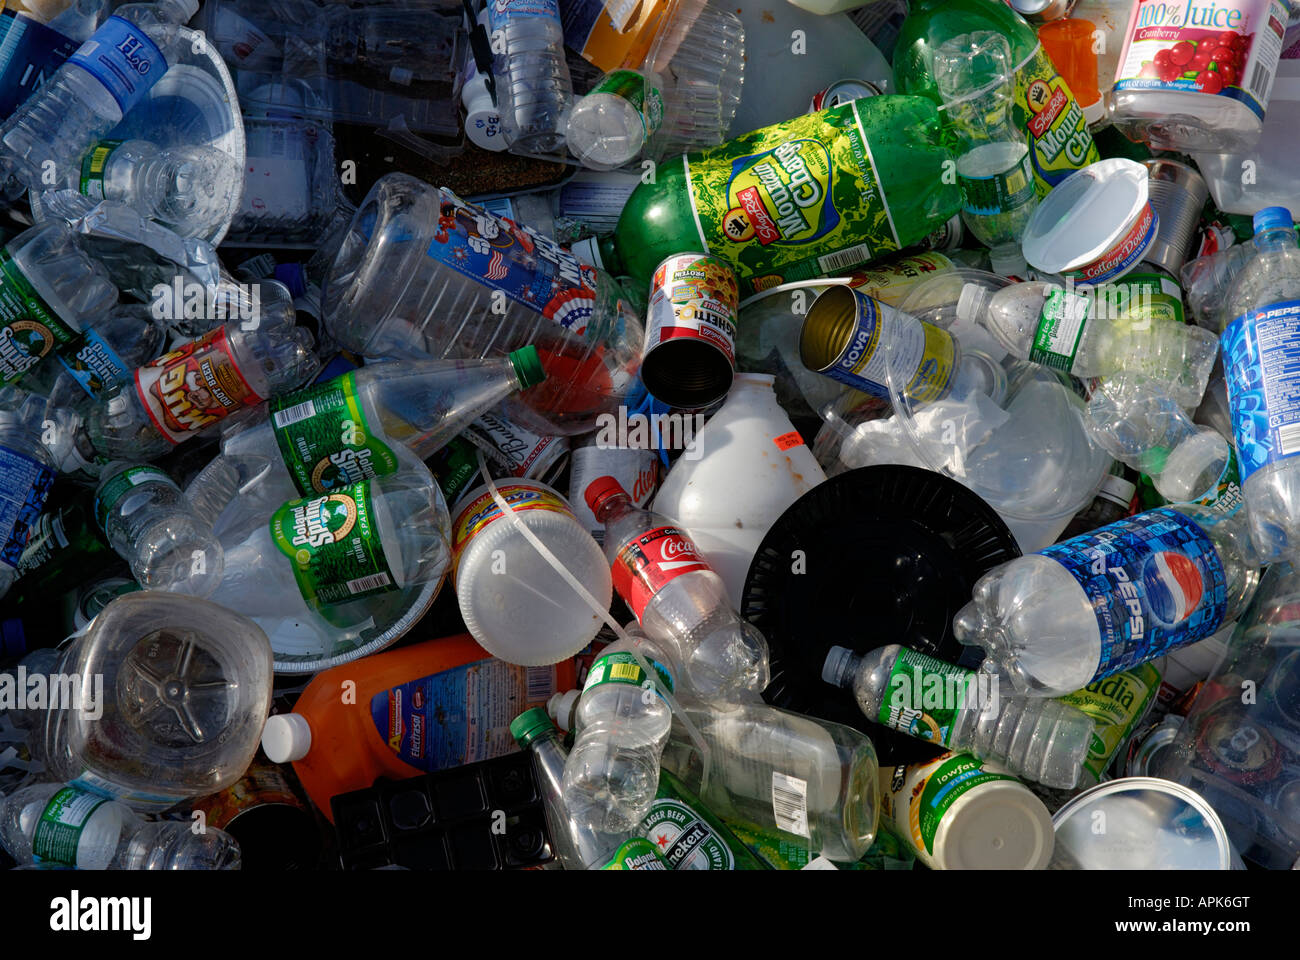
pixel 600 490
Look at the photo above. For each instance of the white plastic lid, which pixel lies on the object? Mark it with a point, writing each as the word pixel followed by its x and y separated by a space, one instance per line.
pixel 286 737
pixel 588 252
pixel 999 825
pixel 972 303
pixel 561 707
pixel 482 119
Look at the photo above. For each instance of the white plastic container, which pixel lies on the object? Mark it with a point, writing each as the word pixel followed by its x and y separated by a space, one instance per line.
pixel 747 466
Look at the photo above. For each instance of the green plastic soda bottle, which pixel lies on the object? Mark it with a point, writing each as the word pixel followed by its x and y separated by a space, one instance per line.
pixel 1043 105
pixel 816 195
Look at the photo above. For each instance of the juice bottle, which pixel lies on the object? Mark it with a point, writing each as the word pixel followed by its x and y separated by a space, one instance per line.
pixel 1043 104
pixel 432 705
pixel 816 195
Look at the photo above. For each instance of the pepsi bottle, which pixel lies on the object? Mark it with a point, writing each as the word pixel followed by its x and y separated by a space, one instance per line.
pixel 1054 621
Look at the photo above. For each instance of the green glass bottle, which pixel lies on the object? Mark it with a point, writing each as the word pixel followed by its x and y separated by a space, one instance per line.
pixel 1043 104
pixel 819 194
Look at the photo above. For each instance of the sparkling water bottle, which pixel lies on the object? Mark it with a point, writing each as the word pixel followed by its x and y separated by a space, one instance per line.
pixel 534 91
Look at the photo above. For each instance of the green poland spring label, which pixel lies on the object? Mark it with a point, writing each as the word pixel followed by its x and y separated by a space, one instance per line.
pixel 58 832
pixel 924 695
pixel 623 668
pixel 636 90
pixel 334 546
pixel 29 329
pixel 325 440
pixel 636 854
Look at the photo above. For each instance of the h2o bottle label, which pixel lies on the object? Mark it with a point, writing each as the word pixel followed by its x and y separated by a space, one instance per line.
pixel 1155 582
pixel 1261 364
pixel 325 439
pixel 123 58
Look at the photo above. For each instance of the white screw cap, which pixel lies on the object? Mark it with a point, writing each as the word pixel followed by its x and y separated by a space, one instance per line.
pixel 286 737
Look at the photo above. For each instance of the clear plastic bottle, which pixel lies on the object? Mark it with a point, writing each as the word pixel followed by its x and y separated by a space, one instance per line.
pixel 154 528
pixel 1259 346
pixel 1207 280
pixel 298 447
pixel 170 400
pixel 623 721
pixel 534 91
pixel 974 75
pixel 1054 621
pixel 112 72
pixel 125 338
pixel 26 476
pixel 79 19
pixel 663 578
pixel 613 123
pixel 50 823
pixel 812 781
pixel 422 273
pixel 1087 333
pixel 1036 738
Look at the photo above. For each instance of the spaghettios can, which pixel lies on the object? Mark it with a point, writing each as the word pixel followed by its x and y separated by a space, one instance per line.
pixel 690 339
pixel 856 340
pixel 842 91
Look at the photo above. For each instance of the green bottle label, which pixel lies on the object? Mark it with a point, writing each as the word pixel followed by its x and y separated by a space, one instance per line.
pixel 58 832
pixel 29 328
pixel 1115 705
pixel 1226 499
pixel 113 490
pixel 1060 329
pixel 1046 109
pixel 454 466
pixel 952 778
pixel 1000 193
pixel 1141 299
pixel 636 90
pixel 636 854
pixel 795 201
pixel 623 668
pixel 688 836
pixel 325 439
pixel 924 695
pixel 334 546
pixel 93 165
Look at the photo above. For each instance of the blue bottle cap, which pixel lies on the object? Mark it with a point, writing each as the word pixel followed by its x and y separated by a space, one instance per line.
pixel 13 639
pixel 1270 218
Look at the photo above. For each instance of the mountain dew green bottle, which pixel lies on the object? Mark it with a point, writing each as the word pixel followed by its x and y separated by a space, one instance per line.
pixel 1043 104
pixel 816 195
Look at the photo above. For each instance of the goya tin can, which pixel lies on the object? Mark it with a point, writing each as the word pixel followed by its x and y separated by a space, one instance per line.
pixel 842 91
pixel 857 340
pixel 690 339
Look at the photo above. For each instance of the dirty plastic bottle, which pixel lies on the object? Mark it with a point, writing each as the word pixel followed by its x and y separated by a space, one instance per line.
pixel 1054 621
pixel 623 721
pixel 1258 348
pixel 663 578
pixel 1036 738
pixel 112 72
pixel 154 528
pixel 745 468
pixel 422 273
pixel 50 823
pixel 345 430
pixel 534 91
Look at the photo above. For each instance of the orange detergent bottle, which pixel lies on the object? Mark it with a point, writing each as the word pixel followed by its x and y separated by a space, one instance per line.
pixel 429 706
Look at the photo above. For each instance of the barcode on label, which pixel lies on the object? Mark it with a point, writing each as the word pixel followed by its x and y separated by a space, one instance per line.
pixel 1260 81
pixel 1288 439
pixel 790 804
pixel 845 259
pixel 291 415
pixel 540 682
pixel 375 581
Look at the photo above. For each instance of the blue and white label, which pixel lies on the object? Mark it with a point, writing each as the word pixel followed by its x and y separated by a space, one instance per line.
pixel 30 53
pixel 123 58
pixel 24 486
pixel 93 363
pixel 502 12
pixel 1261 362
pixel 1155 582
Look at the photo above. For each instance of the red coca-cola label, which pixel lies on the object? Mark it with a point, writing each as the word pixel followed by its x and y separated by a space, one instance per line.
pixel 647 562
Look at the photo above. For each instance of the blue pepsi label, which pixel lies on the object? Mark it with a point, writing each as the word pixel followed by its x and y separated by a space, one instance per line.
pixel 124 59
pixel 1261 362
pixel 93 363
pixel 30 53
pixel 1155 582
pixel 532 270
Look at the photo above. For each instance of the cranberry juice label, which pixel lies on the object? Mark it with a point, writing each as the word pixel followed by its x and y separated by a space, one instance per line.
pixel 192 388
pixel 1155 582
pixel 647 562
pixel 1225 48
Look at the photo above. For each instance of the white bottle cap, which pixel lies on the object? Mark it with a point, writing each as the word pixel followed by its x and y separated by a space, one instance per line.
pixel 482 119
pixel 998 825
pixel 588 252
pixel 286 737
pixel 561 707
pixel 972 303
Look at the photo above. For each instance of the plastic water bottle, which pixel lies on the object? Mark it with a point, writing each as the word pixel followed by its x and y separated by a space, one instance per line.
pixel 1054 621
pixel 345 430
pixel 89 95
pixel 1087 335
pixel 26 476
pixel 614 122
pixel 105 356
pixel 79 19
pixel 1036 738
pixel 534 91
pixel 974 77
pixel 1259 345
pixel 170 400
pixel 623 721
pixel 51 823
pixel 1207 280
pixel 422 273
pixel 663 578
pixel 152 526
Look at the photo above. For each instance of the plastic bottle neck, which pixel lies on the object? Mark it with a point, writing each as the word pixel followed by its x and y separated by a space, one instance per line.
pixel 615 508
pixel 1275 238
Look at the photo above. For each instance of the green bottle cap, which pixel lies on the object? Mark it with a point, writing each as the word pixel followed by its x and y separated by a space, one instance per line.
pixel 528 366
pixel 530 725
